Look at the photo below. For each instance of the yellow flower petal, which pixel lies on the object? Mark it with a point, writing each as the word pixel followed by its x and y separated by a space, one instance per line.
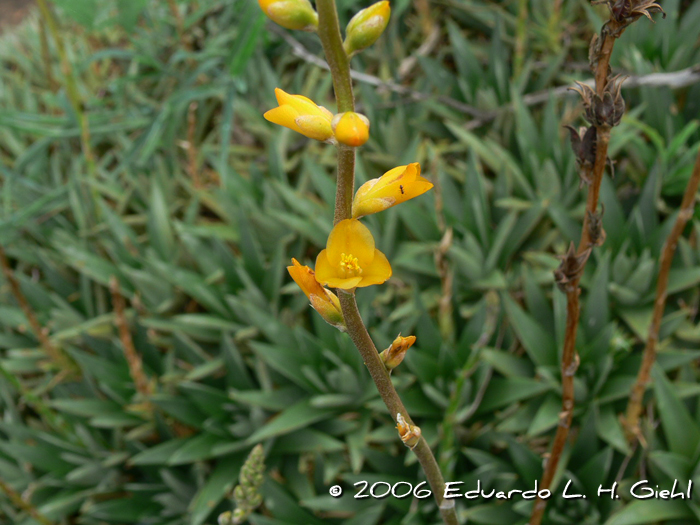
pixel 350 258
pixel 350 237
pixel 302 115
pixel 377 272
pixel 394 187
pixel 304 105
pixel 284 116
pixel 314 127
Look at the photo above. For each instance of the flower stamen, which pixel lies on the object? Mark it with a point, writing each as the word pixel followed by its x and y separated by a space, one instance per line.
pixel 350 265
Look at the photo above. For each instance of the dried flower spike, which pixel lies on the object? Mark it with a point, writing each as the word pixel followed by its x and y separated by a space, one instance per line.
pixel 571 268
pixel 605 111
pixel 596 233
pixel 583 142
pixel 627 11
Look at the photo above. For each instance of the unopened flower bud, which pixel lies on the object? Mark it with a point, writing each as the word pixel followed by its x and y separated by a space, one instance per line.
pixel 325 302
pixel 393 356
pixel 328 306
pixel 292 14
pixel 366 27
pixel 351 129
pixel 409 434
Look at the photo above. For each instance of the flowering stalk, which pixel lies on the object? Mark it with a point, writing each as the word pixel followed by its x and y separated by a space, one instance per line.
pixel 70 85
pixel 603 109
pixel 634 406
pixel 329 33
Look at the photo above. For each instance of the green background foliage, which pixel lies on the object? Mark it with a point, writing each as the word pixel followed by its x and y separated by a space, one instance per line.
pixel 197 205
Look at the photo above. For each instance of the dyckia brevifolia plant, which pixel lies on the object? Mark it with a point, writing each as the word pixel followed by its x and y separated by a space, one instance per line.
pixel 351 259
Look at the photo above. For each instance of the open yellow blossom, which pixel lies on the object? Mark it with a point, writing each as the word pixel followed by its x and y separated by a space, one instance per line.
pixel 322 300
pixel 302 115
pixel 350 259
pixel 394 187
pixel 351 129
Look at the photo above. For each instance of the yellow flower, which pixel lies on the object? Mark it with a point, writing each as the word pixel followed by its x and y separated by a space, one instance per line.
pixel 351 129
pixel 392 356
pixel 302 115
pixel 322 300
pixel 350 259
pixel 292 14
pixel 394 187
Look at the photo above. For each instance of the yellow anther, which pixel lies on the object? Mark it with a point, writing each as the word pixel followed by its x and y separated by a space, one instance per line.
pixel 349 265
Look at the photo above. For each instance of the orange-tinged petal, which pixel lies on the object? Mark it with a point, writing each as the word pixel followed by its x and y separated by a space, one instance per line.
pixel 350 237
pixel 330 275
pixel 377 272
pixel 306 279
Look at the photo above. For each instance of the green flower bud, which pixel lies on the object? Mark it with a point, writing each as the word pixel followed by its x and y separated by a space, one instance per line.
pixel 292 14
pixel 366 27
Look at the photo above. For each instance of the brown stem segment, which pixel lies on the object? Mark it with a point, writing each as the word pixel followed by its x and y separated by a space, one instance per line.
pixel 53 353
pixel 634 406
pixel 329 33
pixel 133 359
pixel 20 503
pixel 569 361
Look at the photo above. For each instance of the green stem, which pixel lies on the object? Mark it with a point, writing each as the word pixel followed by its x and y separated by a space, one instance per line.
pixel 346 183
pixel 329 33
pixel 70 84
pixel 359 335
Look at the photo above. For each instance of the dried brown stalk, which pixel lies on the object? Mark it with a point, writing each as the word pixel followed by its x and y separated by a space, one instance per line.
pixel 46 55
pixel 27 507
pixel 191 149
pixel 179 22
pixel 133 359
pixel 634 406
pixel 573 265
pixel 41 333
